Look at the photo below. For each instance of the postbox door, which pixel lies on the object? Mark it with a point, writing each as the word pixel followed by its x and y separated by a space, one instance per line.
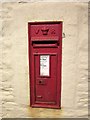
pixel 45 78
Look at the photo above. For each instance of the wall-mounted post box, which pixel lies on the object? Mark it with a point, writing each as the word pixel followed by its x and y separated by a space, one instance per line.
pixel 45 58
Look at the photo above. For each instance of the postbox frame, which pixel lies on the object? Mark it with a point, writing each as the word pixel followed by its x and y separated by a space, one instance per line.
pixel 32 104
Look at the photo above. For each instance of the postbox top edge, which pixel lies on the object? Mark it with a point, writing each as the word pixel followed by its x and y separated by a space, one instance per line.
pixel 44 22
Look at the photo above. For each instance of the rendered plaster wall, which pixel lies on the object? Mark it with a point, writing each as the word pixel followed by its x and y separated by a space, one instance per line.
pixel 15 67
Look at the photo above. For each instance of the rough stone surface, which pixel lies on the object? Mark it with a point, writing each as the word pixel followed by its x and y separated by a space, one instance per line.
pixel 15 67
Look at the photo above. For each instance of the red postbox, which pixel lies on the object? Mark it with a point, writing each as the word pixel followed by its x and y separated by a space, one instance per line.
pixel 45 58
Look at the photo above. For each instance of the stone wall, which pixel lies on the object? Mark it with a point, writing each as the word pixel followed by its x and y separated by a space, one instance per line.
pixel 15 68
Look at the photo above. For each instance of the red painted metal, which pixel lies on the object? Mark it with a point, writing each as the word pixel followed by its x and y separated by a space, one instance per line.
pixel 45 38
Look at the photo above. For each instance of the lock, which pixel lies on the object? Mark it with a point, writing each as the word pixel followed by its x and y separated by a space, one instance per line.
pixel 40 81
pixel 45 57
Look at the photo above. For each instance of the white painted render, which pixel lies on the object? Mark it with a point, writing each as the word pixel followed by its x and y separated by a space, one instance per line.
pixel 15 66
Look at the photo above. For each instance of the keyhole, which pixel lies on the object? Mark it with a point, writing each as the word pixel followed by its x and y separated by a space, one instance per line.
pixel 40 81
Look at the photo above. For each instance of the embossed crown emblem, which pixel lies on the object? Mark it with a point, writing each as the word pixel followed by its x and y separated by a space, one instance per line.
pixel 45 31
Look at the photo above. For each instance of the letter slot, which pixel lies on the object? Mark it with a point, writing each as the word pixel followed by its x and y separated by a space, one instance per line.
pixel 45 43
